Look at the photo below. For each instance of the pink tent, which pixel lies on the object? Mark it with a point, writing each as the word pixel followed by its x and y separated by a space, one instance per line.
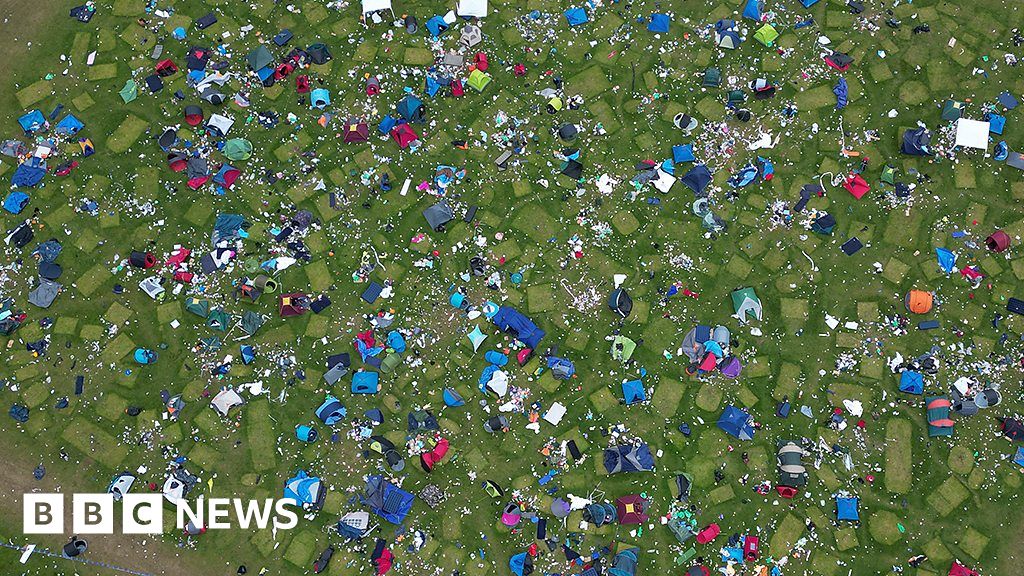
pixel 631 509
pixel 404 135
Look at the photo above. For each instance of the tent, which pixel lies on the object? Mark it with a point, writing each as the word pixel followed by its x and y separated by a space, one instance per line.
pixel 69 125
pixel 33 121
pixel 319 98
pixel 998 241
pixel 471 8
pixel 404 135
pixel 856 185
pixel 631 509
pixel 918 301
pixel 370 6
pixel 620 302
pixel 318 53
pixel 218 319
pixel 120 485
pixel 766 35
pixel 839 61
pixel 226 175
pixel 471 36
pixel 478 80
pixel 697 179
pixel 972 133
pixel 365 382
pixel 411 109
pixel 430 458
pixel 1012 429
pixel 736 423
pixel 16 202
pixel 438 216
pixel 622 348
pixel 259 58
pixel 730 367
pixel 937 414
pixel 521 564
pixel 386 448
pixel 225 400
pixel 624 562
pixel 237 149
pixel 790 462
pixel 293 304
pixel 305 491
pixel 915 141
pixel 659 23
pixel 386 500
pixel 753 10
pixel 576 16
pixel 29 173
pixel 599 513
pixel 198 307
pixel 726 35
pixel 44 294
pixel 514 322
pixel 847 509
pixel 633 391
pixel 911 382
pixel 452 399
pixel 746 304
pixel 946 259
pixel 218 124
pixel 628 458
pixel 331 411
pixel 682 153
pixel 193 115
pixel 355 132
pixel 958 569
pixel 842 92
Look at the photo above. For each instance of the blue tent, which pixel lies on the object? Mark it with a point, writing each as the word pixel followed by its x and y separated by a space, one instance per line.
pixel 410 108
pixel 69 125
pixel 29 172
pixel 912 382
pixel 248 354
pixel 331 411
pixel 452 398
pixel 16 202
pixel 561 368
pixel 628 458
pixel 946 259
pixel 624 563
pixel 521 564
pixel 496 358
pixel 996 123
pixel 320 98
pixel 753 10
pixel 511 320
pixel 736 423
pixel 436 26
pixel 386 124
pixel 846 509
pixel 808 3
pixel 305 491
pixel 682 153
pixel 1018 458
pixel 697 179
pixel 432 86
pixel 576 16
pixel 842 92
pixel 386 500
pixel 659 23
pixel 744 177
pixel 633 391
pixel 34 121
pixel 396 342
pixel 365 382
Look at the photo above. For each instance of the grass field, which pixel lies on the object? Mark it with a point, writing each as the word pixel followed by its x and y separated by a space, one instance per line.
pixel 953 497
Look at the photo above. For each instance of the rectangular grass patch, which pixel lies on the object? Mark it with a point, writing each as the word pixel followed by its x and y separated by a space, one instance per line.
pixel 34 92
pixel 95 442
pixel 126 134
pixel 898 454
pixel 260 433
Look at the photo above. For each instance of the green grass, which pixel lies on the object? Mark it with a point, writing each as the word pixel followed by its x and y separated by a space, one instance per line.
pixel 898 456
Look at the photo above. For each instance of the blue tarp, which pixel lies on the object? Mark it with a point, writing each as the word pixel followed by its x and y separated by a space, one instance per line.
pixel 16 202
pixel 846 509
pixel 69 125
pixel 633 391
pixel 842 92
pixel 753 10
pixel 682 153
pixel 305 491
pixel 808 3
pixel 576 16
pixel 432 86
pixel 29 172
pixel 736 423
pixel 32 122
pixel 387 500
pixel 510 320
pixel 659 23
pixel 911 382
pixel 228 227
pixel 1018 458
pixel 946 259
pixel 697 179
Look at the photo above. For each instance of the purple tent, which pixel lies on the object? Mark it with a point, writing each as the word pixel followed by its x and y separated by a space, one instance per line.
pixel 560 508
pixel 731 367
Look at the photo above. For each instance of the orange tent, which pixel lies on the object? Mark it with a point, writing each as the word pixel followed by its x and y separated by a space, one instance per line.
pixel 919 301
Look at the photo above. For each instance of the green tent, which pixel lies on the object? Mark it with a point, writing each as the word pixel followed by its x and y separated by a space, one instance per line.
pixel 478 80
pixel 198 307
pixel 391 362
pixel 889 174
pixel 251 322
pixel 218 320
pixel 766 35
pixel 623 348
pixel 746 303
pixel 130 91
pixel 238 149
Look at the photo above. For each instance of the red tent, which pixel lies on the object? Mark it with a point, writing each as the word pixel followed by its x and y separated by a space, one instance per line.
pixel 457 89
pixel 177 161
pixel 302 84
pixel 291 305
pixel 480 61
pixel 857 186
pixel 356 132
pixel 709 363
pixel 283 70
pixel 430 459
pixel 958 569
pixel 404 135
pixel 998 241
pixel 193 115
pixel 166 68
pixel 631 509
pixel 708 534
pixel 787 491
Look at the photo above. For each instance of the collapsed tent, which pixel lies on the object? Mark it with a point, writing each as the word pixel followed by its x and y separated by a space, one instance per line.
pixel 305 491
pixel 628 458
pixel 736 423
pixel 386 500
pixel 514 322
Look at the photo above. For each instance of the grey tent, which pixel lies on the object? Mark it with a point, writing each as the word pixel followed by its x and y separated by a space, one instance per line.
pixel 197 168
pixel 44 294
pixel 251 322
pixel 791 468
pixel 335 374
pixel 697 179
pixel 225 400
pixel 568 132
pixel 259 58
pixel 438 215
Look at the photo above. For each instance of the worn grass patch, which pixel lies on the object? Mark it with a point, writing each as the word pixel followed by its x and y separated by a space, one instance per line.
pixel 898 456
pixel 122 138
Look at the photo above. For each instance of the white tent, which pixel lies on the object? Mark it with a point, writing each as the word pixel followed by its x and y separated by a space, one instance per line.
pixel 376 5
pixel 972 134
pixel 477 8
pixel 220 123
pixel 225 400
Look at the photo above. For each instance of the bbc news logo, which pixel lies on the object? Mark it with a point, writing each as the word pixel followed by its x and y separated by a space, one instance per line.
pixel 144 514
